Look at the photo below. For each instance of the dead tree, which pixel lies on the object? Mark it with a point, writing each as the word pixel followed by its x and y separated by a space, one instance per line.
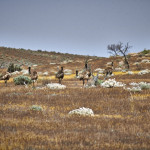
pixel 117 49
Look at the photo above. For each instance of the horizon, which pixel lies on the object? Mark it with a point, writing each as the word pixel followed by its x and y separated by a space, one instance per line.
pixel 67 53
pixel 75 27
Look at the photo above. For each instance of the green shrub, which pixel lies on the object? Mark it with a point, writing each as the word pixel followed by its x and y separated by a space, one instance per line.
pixel 99 82
pixel 21 80
pixel 144 85
pixel 13 68
pixel 145 51
pixel 17 68
pixel 36 108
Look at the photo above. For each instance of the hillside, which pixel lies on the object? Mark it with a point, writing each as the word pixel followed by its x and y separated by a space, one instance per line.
pixel 48 61
pixel 39 57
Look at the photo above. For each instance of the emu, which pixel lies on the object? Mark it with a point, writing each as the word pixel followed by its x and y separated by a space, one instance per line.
pixel 5 77
pixel 108 70
pixel 33 75
pixel 60 75
pixel 85 74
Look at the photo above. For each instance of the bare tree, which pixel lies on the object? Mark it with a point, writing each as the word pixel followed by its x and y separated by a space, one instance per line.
pixel 112 49
pixel 116 49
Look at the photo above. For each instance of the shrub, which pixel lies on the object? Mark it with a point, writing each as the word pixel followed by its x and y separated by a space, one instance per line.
pixel 144 85
pixel 36 108
pixel 13 68
pixel 17 68
pixel 135 89
pixel 21 80
pixel 144 72
pixel 145 51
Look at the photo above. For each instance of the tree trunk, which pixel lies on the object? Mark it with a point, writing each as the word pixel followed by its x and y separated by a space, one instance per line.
pixel 126 61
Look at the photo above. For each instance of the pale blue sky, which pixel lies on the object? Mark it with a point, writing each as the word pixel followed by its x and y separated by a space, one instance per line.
pixel 75 26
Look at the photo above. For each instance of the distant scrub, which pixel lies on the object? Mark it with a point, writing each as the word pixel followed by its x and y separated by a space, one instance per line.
pixel 13 68
pixel 21 80
pixel 145 51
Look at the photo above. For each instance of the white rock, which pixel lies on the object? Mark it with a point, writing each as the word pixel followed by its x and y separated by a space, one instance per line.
pixel 135 89
pixel 145 61
pixel 130 72
pixel 82 111
pixel 24 71
pixel 35 65
pixel 144 72
pixel 118 69
pixel 14 73
pixel 52 63
pixel 136 63
pixel 45 73
pixel 67 71
pixel 99 70
pixel 55 86
pixel 133 84
pixel 112 83
pixel 109 63
pixel 139 86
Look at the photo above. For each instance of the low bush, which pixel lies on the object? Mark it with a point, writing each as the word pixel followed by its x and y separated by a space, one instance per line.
pixel 145 51
pixel 36 108
pixel 22 80
pixel 13 68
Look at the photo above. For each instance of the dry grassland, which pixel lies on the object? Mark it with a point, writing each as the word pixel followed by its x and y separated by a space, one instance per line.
pixel 121 120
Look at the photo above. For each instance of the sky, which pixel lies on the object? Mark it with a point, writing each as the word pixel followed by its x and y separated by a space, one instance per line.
pixel 83 27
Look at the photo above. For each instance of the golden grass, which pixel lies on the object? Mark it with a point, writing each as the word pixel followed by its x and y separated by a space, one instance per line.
pixel 72 76
pixel 121 119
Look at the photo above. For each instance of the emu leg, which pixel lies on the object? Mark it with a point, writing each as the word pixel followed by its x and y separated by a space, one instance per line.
pixel 87 81
pixel 5 82
pixel 33 83
pixel 106 76
pixel 83 82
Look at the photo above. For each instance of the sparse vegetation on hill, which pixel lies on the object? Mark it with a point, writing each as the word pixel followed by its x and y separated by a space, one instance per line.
pixel 145 51
pixel 29 57
pixel 114 114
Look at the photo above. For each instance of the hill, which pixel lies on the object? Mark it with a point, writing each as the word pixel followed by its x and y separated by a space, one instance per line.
pixel 48 61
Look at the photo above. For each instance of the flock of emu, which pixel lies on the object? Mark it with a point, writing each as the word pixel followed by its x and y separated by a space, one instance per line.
pixel 83 75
